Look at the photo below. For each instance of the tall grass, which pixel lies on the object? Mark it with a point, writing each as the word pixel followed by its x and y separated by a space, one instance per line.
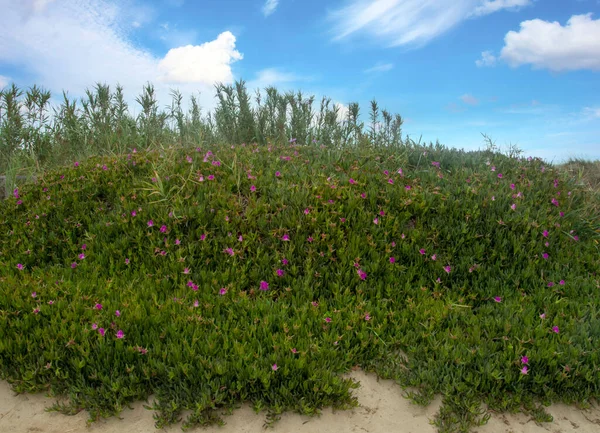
pixel 35 135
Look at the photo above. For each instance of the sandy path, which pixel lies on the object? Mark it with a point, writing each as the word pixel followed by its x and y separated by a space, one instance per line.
pixel 382 410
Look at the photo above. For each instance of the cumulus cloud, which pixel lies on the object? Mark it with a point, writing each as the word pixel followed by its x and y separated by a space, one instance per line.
pixel 380 67
pixel 415 22
pixel 207 63
pixel 550 45
pixel 491 6
pixel 91 45
pixel 269 7
pixel 469 99
pixel 487 59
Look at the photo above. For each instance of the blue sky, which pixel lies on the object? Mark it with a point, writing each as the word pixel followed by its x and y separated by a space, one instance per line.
pixel 524 72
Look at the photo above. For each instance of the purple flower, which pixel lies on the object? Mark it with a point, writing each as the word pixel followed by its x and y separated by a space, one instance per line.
pixel 211 177
pixel 101 331
pixel 500 175
pixel 352 181
pixel 73 265
pixel 120 334
pixel 126 261
pixel 497 299
pixel 435 164
pixel 81 256
pixel 543 316
pixel 118 313
pixel 94 326
pixel 284 262
pixel 555 329
pixel 391 181
pixel 525 360
pixel 512 186
pixel 98 306
pixel 34 294
pixel 362 274
pixel 252 188
pixel 545 256
pixel 434 257
pixel 407 187
pixel 285 237
pixel 513 206
pixel 163 229
pixel 545 233
pixel 367 317
pixel 561 282
pixel 550 284
pixel 376 221
pixel 264 285
pixel 150 223
pixel 447 269
pixel 328 319
pixel 280 272
pixel 222 291
pixel 274 367
pixel 422 251
pixel 392 260
pixel 133 213
pixel 277 173
pixel 19 266
pixel 524 370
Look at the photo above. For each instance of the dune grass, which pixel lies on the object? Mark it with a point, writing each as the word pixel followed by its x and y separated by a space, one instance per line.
pixel 213 274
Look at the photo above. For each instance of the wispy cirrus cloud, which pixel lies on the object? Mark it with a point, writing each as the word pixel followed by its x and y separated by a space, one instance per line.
pixel 380 67
pixel 414 22
pixel 269 7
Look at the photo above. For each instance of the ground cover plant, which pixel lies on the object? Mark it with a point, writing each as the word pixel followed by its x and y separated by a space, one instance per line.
pixel 213 274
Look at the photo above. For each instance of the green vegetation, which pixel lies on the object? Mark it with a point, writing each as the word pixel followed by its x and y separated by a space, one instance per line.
pixel 207 269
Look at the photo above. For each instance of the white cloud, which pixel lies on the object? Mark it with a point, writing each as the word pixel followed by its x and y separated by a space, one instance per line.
pixel 549 45
pixel 487 59
pixel 469 99
pixel 593 112
pixel 342 113
pixel 272 77
pixel 380 67
pixel 269 7
pixel 4 80
pixel 491 6
pixel 207 63
pixel 403 22
pixel 91 45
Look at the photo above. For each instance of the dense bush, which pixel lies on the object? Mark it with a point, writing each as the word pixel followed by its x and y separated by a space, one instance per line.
pixel 261 273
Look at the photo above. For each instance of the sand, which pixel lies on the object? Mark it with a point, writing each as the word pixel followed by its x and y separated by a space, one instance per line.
pixel 382 409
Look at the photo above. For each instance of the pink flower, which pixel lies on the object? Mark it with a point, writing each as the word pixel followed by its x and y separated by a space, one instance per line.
pixel 81 256
pixel 310 239
pixel 277 173
pixel 400 172
pixel 50 302
pixel 33 294
pixel 126 261
pixel 352 181
pixel 391 181
pixel 118 313
pixel 561 282
pixel 554 202
pixel 177 242
pixel 73 265
pixel 545 256
pixel 543 316
pixel 367 317
pixel 525 360
pixel 550 284
pixel 555 329
pixel 101 331
pixel 434 257
pixel 163 229
pixel 493 168
pixel 133 213
pixel 362 274
pixel 202 236
pixel 306 211
pixel 280 273
pixel 76 164
pixel 328 319
pixel 524 370
pixel 98 306
pixel 392 260
pixel 196 303
pixel 252 188
pixel 120 334
pixel 229 251
pixel 363 195
pixel 19 266
pixel 422 251
pixel 376 221
pixel 285 237
pixel 150 223
pixel 545 233
pixel 211 177
pixel 497 299
pixel 294 350
pixel 222 291
pixel 284 262
pixel 264 285
pixel 447 269
pixel 500 175
pixel 435 164
pixel 274 367
pixel 512 186
pixel 407 187
pixel 513 206
pixel 94 326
